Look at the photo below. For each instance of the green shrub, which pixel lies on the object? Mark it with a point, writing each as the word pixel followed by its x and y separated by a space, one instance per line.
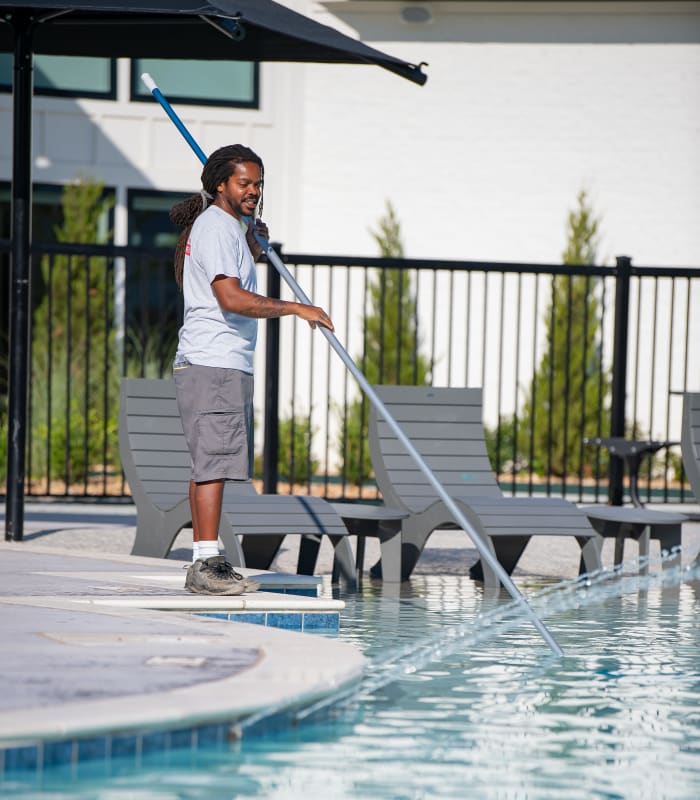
pixel 295 462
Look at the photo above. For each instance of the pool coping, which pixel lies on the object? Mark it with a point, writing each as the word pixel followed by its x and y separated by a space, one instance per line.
pixel 291 668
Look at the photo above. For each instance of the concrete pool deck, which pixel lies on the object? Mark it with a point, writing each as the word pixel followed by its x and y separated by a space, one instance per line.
pixel 90 656
pixel 87 649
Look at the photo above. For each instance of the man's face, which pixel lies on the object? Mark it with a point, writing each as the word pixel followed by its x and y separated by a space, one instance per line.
pixel 240 194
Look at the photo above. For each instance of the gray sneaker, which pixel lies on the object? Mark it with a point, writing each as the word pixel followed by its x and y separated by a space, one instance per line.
pixel 216 576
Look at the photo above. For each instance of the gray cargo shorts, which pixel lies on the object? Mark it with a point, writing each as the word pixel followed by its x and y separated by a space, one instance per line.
pixel 216 409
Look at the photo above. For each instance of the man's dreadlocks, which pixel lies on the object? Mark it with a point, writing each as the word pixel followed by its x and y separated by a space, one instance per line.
pixel 219 167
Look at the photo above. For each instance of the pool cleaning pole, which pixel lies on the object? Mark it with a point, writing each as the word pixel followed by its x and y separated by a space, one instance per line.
pixel 374 398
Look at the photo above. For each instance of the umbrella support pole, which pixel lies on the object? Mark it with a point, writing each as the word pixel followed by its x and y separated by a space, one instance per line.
pixel 20 294
pixel 376 401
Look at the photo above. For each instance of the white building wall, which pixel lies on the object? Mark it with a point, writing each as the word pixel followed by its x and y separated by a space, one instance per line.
pixel 525 104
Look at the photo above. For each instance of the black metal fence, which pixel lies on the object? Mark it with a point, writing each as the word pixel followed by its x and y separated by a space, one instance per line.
pixel 562 353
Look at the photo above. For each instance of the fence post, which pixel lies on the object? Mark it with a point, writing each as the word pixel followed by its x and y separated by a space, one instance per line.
pixel 616 469
pixel 272 385
pixel 20 291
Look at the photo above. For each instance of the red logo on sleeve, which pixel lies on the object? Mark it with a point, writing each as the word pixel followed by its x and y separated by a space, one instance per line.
pixel 188 248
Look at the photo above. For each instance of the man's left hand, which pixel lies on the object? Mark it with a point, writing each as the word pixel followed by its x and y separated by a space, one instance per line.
pixel 261 229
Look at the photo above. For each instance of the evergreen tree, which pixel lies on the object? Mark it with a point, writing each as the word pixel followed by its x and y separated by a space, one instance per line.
pixel 72 346
pixel 571 389
pixel 391 352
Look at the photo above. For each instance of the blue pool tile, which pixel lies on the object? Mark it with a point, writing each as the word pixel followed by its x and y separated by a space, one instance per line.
pixel 92 748
pixel 269 725
pixel 251 617
pixel 93 764
pixel 181 738
pixel 287 620
pixel 213 614
pixel 56 753
pixel 154 742
pixel 321 621
pixel 209 735
pixel 26 757
pixel 303 592
pixel 124 746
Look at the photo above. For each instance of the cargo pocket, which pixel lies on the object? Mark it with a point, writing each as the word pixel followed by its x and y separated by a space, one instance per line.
pixel 222 432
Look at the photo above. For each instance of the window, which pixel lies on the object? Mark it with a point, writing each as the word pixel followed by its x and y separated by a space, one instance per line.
pixel 149 220
pixel 47 213
pixel 216 83
pixel 5 221
pixel 67 76
pixel 153 301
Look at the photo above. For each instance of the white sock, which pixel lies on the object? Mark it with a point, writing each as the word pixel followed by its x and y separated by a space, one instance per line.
pixel 208 549
pixel 195 551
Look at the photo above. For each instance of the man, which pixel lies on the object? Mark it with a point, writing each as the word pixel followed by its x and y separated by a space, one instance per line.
pixel 213 369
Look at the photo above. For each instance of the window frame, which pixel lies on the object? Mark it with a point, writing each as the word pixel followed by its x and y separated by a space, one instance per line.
pixel 146 97
pixel 134 193
pixel 90 95
pixel 57 190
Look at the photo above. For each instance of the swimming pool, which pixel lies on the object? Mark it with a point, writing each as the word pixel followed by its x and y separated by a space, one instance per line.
pixel 463 702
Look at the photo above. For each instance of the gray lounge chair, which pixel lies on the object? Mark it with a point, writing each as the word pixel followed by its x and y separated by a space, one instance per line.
pixel 445 426
pixel 644 524
pixel 690 440
pixel 690 444
pixel 640 524
pixel 156 464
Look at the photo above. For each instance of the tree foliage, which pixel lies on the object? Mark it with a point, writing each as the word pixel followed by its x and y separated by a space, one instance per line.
pixel 391 348
pixel 570 390
pixel 73 405
pixel 295 462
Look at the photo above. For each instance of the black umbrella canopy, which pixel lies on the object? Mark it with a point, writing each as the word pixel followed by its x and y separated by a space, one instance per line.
pixel 238 30
pixel 241 30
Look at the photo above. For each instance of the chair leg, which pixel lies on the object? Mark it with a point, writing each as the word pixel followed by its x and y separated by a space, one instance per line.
pixel 343 560
pixel 260 551
pixel 152 537
pixel 391 555
pixel 413 540
pixel 669 536
pixel 644 551
pixel 232 545
pixel 619 550
pixel 308 554
pixel 488 576
pixel 360 556
pixel 507 550
pixel 591 547
pixel 407 560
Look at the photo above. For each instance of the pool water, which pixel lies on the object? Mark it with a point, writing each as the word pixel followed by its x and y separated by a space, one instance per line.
pixel 465 700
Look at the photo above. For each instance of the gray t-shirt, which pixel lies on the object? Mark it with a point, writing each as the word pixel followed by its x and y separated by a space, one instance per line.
pixel 210 336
